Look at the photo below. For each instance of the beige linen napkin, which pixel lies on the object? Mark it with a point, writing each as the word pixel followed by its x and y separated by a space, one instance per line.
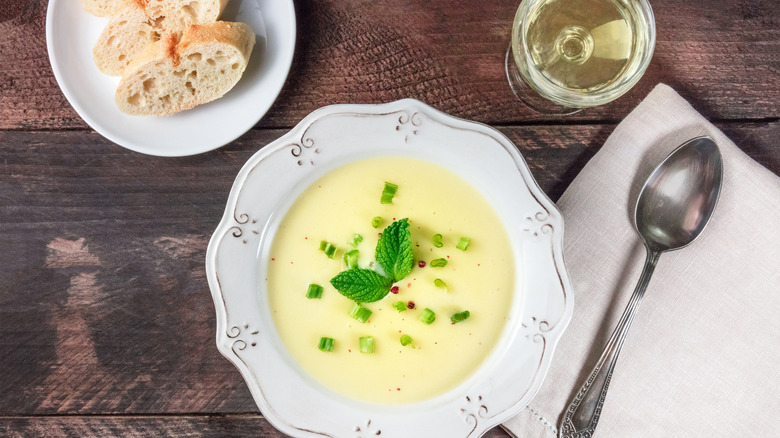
pixel 702 358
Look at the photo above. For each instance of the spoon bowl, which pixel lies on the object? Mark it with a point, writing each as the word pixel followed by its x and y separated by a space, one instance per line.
pixel 679 197
pixel 674 206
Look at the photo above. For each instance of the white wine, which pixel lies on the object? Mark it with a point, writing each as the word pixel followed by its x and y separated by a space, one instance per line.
pixel 582 52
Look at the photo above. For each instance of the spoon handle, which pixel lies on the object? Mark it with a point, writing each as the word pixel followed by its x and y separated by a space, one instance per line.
pixel 583 412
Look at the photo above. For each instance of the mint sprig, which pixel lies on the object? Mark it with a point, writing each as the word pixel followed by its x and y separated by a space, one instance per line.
pixel 362 285
pixel 393 253
pixel 394 250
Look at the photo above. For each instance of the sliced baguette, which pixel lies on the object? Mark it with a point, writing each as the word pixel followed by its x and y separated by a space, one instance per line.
pixel 123 38
pixel 175 74
pixel 141 22
pixel 102 8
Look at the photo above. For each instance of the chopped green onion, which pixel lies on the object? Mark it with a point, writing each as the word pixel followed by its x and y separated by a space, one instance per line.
pixel 327 248
pixel 367 344
pixel 377 221
pixel 460 316
pixel 360 313
pixel 351 259
pixel 427 316
pixel 406 340
pixel 437 241
pixel 326 344
pixel 438 263
pixel 441 284
pixel 315 291
pixel 399 306
pixel 356 239
pixel 463 243
pixel 388 193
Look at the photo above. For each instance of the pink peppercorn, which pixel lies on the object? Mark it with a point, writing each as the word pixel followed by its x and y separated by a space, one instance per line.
pixel 421 264
pixel 394 289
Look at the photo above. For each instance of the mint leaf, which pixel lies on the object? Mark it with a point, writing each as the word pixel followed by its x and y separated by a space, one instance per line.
pixel 394 255
pixel 394 250
pixel 362 285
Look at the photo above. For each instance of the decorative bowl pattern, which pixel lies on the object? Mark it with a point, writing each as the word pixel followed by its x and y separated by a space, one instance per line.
pixel 332 136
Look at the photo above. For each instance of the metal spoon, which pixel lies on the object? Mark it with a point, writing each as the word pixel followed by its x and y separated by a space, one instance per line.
pixel 673 208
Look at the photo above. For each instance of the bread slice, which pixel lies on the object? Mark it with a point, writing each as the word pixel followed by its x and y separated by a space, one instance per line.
pixel 141 22
pixel 123 38
pixel 175 74
pixel 102 8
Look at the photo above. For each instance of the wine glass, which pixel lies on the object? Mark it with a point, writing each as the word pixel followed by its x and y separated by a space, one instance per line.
pixel 566 55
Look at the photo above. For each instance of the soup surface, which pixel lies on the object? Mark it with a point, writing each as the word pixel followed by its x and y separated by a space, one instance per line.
pixel 480 280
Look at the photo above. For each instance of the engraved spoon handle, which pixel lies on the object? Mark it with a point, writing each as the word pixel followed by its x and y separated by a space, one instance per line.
pixel 583 412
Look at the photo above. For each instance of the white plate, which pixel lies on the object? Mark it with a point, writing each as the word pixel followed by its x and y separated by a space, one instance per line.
pixel 71 33
pixel 335 135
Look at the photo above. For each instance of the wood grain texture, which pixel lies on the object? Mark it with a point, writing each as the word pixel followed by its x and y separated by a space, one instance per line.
pixel 132 427
pixel 106 320
pixel 723 56
pixel 145 427
pixel 104 304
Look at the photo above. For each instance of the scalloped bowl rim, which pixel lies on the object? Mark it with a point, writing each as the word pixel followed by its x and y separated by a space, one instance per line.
pixel 291 400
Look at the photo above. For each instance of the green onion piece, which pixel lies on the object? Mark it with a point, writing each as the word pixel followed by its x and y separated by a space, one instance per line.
pixel 460 316
pixel 367 344
pixel 438 263
pixel 327 248
pixel 351 259
pixel 356 239
pixel 406 340
pixel 437 241
pixel 360 313
pixel 463 243
pixel 377 221
pixel 441 284
pixel 388 193
pixel 326 344
pixel 399 306
pixel 315 291
pixel 427 316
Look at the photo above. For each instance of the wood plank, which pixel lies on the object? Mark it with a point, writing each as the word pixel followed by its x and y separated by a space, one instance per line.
pixel 724 57
pixel 130 427
pixel 104 305
pixel 142 427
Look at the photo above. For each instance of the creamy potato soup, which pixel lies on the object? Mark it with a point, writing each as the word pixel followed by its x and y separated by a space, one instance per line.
pixel 435 325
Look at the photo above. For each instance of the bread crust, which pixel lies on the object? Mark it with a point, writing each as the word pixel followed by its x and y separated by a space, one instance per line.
pixel 222 31
pixel 102 8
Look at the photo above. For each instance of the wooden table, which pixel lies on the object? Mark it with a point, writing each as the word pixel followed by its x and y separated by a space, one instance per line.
pixel 106 320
